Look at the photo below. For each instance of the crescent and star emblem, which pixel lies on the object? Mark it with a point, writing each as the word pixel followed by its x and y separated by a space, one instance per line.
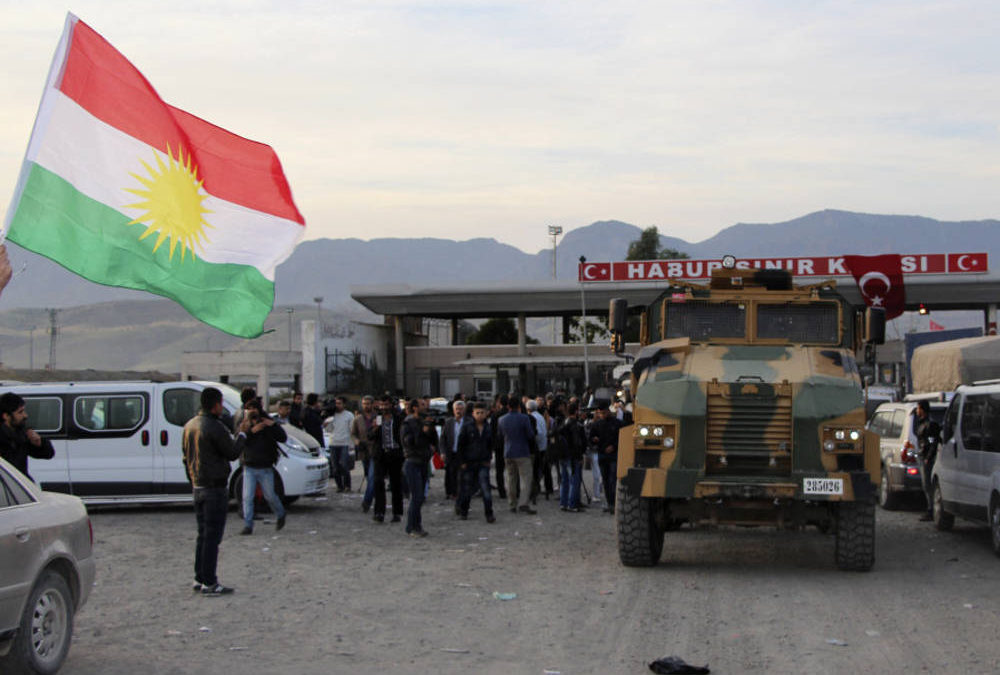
pixel 587 269
pixel 874 276
pixel 961 263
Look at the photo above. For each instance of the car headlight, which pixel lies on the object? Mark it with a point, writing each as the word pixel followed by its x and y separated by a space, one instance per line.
pixel 840 434
pixel 644 431
pixel 668 442
pixel 658 431
pixel 829 445
pixel 855 434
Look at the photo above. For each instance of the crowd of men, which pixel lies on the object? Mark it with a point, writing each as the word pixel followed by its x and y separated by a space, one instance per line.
pixel 518 446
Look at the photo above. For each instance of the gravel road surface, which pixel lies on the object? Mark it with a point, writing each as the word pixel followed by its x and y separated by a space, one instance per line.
pixel 336 593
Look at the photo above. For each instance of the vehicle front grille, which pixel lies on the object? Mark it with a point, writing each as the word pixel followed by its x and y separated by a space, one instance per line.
pixel 749 429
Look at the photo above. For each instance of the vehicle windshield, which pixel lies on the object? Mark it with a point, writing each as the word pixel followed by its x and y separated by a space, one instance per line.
pixel 701 321
pixel 814 323
pixel 809 323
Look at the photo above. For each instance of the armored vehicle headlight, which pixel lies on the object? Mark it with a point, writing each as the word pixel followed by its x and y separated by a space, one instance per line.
pixel 840 434
pixel 644 431
pixel 657 431
pixel 855 434
pixel 829 445
pixel 668 442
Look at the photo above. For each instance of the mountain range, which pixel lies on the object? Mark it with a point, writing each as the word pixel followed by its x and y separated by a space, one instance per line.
pixel 105 327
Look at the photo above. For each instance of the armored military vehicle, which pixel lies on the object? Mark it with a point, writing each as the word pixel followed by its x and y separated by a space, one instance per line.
pixel 749 410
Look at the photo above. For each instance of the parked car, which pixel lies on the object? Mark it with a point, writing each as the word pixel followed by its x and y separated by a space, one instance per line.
pixel 46 573
pixel 966 476
pixel 894 423
pixel 120 442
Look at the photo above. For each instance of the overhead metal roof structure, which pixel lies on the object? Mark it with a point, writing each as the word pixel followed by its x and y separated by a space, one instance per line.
pixel 563 298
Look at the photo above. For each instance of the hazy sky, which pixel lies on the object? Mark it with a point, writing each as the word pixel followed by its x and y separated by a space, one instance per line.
pixel 468 119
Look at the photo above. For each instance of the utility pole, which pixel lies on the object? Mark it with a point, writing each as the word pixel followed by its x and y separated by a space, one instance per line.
pixel 31 347
pixel 583 322
pixel 319 316
pixel 554 232
pixel 290 311
pixel 53 333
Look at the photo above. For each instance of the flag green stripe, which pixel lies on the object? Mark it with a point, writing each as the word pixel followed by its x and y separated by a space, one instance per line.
pixel 95 241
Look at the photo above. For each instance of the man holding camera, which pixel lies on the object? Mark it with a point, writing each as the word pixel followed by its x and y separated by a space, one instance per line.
pixel 260 454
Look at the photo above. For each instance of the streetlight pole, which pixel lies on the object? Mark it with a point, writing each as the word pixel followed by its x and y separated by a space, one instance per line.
pixel 290 311
pixel 583 323
pixel 554 232
pixel 31 347
pixel 319 307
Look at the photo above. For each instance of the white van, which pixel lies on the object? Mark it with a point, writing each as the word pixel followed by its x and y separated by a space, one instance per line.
pixel 120 442
pixel 966 476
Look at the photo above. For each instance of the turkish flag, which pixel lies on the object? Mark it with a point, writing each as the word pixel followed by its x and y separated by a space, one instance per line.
pixel 880 280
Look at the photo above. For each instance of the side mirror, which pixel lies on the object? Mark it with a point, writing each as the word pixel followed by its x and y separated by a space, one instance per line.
pixel 875 325
pixel 617 317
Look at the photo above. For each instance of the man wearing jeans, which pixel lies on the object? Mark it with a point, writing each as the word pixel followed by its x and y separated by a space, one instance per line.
pixel 419 441
pixel 260 454
pixel 208 450
pixel 338 425
pixel 475 452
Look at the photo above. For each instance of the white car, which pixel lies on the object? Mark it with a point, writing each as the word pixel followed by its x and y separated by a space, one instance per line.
pixel 46 572
pixel 120 442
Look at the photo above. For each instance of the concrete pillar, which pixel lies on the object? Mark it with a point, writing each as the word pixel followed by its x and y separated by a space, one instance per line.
pixel 454 331
pixel 263 384
pixel 399 339
pixel 522 334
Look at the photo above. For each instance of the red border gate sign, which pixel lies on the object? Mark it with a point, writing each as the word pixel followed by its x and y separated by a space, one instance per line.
pixel 818 267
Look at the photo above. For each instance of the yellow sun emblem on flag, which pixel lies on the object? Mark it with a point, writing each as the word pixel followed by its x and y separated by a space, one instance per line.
pixel 172 205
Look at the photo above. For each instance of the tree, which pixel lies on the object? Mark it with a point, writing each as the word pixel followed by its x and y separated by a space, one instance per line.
pixel 647 247
pixel 497 332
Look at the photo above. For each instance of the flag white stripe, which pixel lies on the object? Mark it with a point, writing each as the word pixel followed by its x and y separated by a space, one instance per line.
pixel 99 161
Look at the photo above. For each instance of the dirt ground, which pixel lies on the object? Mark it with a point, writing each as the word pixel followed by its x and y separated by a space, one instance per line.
pixel 335 592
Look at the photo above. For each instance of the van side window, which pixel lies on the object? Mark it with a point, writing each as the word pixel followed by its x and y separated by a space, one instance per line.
pixel 180 405
pixel 972 422
pixel 44 414
pixel 108 413
pixel 991 424
pixel 951 419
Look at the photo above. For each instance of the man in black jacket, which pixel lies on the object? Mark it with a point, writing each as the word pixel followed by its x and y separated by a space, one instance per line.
pixel 312 419
pixel 604 436
pixel 260 454
pixel 17 440
pixel 474 456
pixel 419 442
pixel 208 450
pixel 387 451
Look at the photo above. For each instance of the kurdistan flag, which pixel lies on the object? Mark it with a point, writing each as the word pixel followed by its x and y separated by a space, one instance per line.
pixel 126 190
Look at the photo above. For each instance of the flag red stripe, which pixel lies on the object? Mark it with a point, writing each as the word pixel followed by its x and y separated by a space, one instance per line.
pixel 109 87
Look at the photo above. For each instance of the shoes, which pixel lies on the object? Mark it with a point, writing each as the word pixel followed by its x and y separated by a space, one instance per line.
pixel 246 530
pixel 524 508
pixel 340 489
pixel 217 589
pixel 463 516
pixel 395 519
pixel 926 518
pixel 490 518
pixel 365 507
pixel 564 508
pixel 573 509
pixel 379 518
pixel 280 524
pixel 418 533
pixel 513 509
pixel 197 586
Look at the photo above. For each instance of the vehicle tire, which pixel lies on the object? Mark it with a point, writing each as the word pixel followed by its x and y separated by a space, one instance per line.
pixel 45 631
pixel 887 499
pixel 855 545
pixel 640 536
pixel 943 520
pixel 995 523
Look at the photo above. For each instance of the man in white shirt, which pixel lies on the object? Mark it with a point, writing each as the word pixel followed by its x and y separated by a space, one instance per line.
pixel 338 425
